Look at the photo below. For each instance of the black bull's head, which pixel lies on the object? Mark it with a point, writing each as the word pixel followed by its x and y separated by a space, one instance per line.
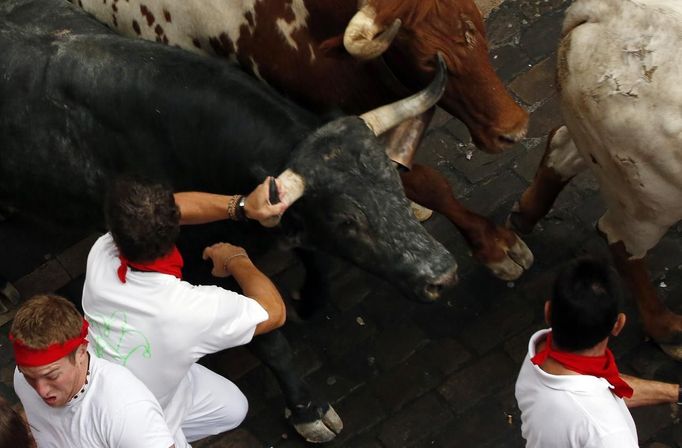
pixel 354 207
pixel 81 105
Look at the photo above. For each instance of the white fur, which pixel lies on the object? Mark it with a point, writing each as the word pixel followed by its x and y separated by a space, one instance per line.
pixel 563 156
pixel 256 71
pixel 620 70
pixel 190 19
pixel 300 17
pixel 312 54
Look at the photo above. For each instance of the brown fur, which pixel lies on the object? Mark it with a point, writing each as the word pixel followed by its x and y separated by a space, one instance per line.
pixel 412 13
pixel 428 25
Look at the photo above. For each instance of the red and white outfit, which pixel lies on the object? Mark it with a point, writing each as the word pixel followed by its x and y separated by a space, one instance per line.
pixel 159 326
pixel 570 411
pixel 115 410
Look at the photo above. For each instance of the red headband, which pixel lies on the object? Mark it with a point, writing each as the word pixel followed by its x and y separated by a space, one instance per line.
pixel 31 357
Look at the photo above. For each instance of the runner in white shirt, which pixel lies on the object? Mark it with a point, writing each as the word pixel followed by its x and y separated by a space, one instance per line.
pixel 569 389
pixel 144 317
pixel 73 399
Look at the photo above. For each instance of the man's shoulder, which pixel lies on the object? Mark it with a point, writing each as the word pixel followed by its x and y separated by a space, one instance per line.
pixel 102 242
pixel 118 384
pixel 103 248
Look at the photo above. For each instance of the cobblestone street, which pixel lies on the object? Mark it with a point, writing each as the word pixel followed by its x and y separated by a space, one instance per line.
pixel 405 374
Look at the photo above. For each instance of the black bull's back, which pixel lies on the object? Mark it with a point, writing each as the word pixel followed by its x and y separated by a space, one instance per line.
pixel 79 105
pixel 75 106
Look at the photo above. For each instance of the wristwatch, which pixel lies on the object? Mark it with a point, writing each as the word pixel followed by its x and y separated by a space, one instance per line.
pixel 241 210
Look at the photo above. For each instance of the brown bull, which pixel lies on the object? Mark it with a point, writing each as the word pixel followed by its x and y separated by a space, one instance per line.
pixel 341 54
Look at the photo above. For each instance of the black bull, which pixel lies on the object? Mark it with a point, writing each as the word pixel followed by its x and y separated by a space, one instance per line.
pixel 79 105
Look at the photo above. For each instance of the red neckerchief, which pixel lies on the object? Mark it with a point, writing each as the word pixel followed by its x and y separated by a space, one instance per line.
pixel 600 366
pixel 168 264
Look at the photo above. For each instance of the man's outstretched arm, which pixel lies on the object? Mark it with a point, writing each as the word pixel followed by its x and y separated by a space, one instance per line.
pixel 649 392
pixel 229 260
pixel 197 207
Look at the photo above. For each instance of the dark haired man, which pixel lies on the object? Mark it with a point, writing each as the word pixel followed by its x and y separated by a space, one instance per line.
pixel 146 318
pixel 569 390
pixel 73 399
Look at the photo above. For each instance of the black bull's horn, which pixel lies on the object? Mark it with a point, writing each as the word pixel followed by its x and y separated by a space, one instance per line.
pixel 386 117
pixel 379 121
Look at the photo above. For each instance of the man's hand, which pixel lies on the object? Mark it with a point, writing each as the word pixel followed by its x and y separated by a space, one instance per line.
pixel 257 204
pixel 232 260
pixel 224 256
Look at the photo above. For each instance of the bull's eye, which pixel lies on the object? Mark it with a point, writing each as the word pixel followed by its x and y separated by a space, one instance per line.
pixel 348 225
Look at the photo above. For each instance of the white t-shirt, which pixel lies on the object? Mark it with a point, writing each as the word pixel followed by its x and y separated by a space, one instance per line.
pixel 158 326
pixel 570 411
pixel 115 411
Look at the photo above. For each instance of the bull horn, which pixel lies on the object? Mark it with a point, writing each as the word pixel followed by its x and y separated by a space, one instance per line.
pixel 386 117
pixel 362 39
pixel 292 187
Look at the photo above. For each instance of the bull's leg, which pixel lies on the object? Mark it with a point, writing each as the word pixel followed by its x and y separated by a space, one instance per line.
pixel 504 253
pixel 315 289
pixel 560 163
pixel 314 421
pixel 664 326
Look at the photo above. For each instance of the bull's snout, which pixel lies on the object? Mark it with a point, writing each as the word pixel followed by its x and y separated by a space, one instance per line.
pixel 433 289
pixel 498 141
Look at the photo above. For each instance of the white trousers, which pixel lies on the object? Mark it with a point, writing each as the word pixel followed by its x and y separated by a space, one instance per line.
pixel 217 406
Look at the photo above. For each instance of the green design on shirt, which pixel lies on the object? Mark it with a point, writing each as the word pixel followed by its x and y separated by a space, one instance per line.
pixel 107 343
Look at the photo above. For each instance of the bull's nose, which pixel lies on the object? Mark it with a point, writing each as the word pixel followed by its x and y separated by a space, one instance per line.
pixel 512 137
pixel 433 290
pixel 496 141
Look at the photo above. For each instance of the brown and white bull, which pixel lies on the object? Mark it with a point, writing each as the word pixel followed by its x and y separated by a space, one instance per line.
pixel 619 77
pixel 326 54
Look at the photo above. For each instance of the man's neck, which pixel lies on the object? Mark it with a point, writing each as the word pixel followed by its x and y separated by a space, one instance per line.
pixel 553 367
pixel 82 378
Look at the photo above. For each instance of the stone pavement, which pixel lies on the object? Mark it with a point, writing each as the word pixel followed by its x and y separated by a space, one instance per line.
pixel 404 374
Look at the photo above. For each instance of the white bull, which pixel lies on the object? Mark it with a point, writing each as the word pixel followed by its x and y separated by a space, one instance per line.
pixel 619 76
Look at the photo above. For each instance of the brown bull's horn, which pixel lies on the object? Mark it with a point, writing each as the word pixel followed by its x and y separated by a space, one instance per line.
pixel 386 117
pixel 362 37
pixel 292 186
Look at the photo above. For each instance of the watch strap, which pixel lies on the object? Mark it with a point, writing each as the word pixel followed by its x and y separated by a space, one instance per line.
pixel 241 211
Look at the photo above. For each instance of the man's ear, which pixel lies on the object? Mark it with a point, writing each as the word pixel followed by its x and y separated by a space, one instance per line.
pixel 618 326
pixel 81 354
pixel 548 313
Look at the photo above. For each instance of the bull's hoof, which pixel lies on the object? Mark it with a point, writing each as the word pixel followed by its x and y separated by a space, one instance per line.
pixel 518 259
pixel 316 424
pixel 421 213
pixel 517 223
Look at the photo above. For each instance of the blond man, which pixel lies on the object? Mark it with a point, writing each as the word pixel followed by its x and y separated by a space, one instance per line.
pixel 72 399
